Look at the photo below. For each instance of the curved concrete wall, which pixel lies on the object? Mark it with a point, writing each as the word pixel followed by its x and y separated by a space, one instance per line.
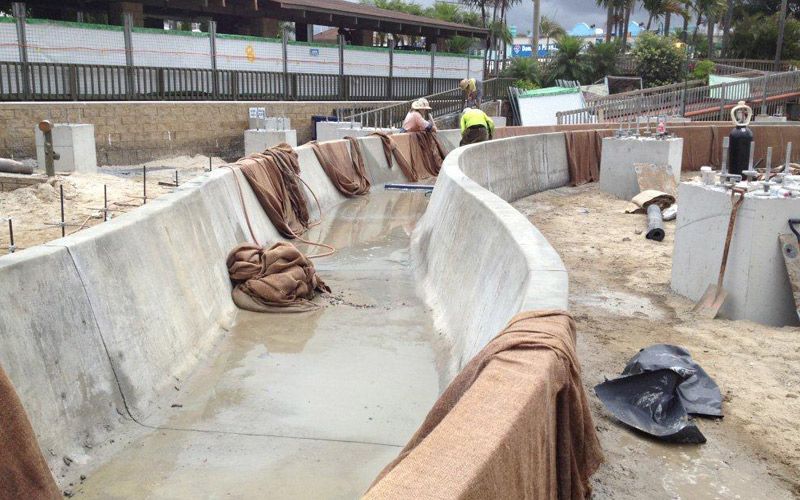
pixel 480 261
pixel 98 327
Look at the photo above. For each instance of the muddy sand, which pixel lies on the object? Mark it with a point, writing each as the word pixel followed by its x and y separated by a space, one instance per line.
pixel 621 298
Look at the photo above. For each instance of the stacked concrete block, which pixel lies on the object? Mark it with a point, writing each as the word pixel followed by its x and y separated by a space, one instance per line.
pixel 256 141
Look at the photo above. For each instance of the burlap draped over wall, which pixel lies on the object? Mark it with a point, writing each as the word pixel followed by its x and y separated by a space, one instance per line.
pixel 280 279
pixel 273 176
pixel 391 150
pixel 23 470
pixel 514 424
pixel 344 168
pixel 424 151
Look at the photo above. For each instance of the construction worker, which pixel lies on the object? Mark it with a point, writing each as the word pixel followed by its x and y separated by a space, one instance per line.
pixel 418 119
pixel 473 91
pixel 476 126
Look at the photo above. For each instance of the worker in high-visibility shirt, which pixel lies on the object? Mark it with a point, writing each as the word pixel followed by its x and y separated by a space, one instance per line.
pixel 476 126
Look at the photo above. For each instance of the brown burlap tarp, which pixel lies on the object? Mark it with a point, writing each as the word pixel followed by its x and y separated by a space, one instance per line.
pixel 390 150
pixel 273 176
pixel 23 471
pixel 280 279
pixel 583 155
pixel 514 424
pixel 344 168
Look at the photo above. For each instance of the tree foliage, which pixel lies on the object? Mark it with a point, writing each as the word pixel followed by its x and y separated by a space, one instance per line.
pixel 602 60
pixel 569 62
pixel 755 37
pixel 525 70
pixel 659 60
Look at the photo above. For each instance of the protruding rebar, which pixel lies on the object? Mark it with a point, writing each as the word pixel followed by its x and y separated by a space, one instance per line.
pixel 63 226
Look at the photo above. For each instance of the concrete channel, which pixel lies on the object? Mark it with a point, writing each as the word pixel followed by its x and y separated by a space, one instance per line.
pixel 138 371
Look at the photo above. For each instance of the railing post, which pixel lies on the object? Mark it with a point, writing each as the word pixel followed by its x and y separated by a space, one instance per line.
pixel 128 36
pixel 683 102
pixel 433 68
pixel 73 82
pixel 390 82
pixel 18 9
pixel 722 102
pixel 285 57
pixel 234 79
pixel 342 90
pixel 764 101
pixel 212 39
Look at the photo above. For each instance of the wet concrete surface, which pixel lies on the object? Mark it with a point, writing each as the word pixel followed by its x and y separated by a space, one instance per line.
pixel 308 405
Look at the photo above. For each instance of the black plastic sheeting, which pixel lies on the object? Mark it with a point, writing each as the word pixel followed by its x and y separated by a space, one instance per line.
pixel 658 390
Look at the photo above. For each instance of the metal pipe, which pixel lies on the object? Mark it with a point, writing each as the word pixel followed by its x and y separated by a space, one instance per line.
pixel 144 184
pixel 655 223
pixel 105 203
pixel 788 160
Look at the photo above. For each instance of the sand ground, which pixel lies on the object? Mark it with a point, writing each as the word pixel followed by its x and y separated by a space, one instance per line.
pixel 32 208
pixel 620 295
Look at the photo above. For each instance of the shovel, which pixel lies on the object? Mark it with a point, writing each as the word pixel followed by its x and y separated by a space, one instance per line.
pixel 709 304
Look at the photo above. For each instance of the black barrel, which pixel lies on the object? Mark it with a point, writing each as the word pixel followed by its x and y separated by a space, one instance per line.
pixel 741 139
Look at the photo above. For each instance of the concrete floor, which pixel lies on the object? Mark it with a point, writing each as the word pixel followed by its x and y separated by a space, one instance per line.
pixel 308 405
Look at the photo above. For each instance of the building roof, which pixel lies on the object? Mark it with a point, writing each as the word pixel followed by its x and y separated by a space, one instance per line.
pixel 338 13
pixel 350 15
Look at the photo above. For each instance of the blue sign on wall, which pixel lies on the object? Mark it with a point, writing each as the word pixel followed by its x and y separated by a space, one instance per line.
pixel 313 52
pixel 521 50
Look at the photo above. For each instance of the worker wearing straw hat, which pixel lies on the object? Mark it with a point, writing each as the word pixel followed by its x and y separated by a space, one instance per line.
pixel 418 119
pixel 473 91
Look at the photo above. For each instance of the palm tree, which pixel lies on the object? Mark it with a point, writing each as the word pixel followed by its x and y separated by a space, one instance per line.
pixel 537 8
pixel 726 27
pixel 609 6
pixel 711 9
pixel 781 33
pixel 569 62
pixel 550 29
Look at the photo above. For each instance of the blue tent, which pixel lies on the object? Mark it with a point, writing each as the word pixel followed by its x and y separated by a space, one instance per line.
pixel 582 30
pixel 634 29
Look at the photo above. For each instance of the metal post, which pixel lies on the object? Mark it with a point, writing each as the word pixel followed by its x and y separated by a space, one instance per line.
pixel 285 52
pixel 342 90
pixel 390 81
pixel 11 246
pixel 128 30
pixel 63 224
pixel 212 38
pixel 144 184
pixel 722 103
pixel 433 68
pixel 105 203
pixel 764 101
pixel 18 9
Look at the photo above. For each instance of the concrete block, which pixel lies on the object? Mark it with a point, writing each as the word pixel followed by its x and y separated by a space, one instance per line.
pixel 499 121
pixel 617 174
pixel 75 143
pixel 325 130
pixel 271 123
pixel 256 141
pixel 756 279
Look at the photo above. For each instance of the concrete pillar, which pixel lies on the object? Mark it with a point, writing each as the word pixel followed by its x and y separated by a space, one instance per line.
pixel 259 26
pixel 75 145
pixel 619 156
pixel 303 32
pixel 363 38
pixel 117 11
